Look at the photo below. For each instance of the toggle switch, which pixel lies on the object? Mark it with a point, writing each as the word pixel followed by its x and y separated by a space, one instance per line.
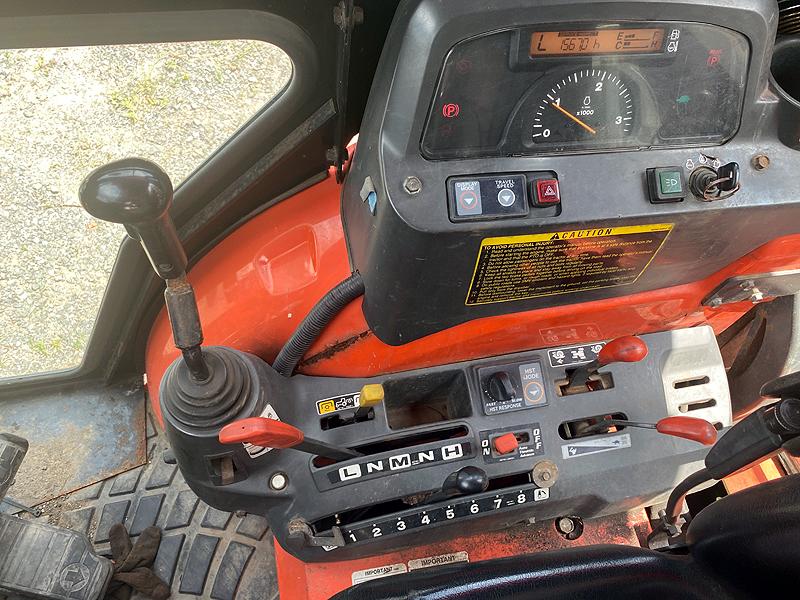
pixel 505 444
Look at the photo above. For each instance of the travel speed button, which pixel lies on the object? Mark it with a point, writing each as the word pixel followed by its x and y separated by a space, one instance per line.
pixel 506 197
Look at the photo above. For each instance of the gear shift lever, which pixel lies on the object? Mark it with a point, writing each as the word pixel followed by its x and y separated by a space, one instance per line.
pixel 138 194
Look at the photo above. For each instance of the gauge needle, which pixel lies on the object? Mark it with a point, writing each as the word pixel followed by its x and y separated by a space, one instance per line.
pixel 574 118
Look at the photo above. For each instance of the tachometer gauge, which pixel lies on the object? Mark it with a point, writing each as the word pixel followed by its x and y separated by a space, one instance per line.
pixel 589 105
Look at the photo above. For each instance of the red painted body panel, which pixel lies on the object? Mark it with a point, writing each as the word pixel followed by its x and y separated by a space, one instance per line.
pixel 256 286
pixel 319 581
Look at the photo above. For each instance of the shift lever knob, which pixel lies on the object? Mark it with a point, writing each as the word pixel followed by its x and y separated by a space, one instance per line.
pixel 138 194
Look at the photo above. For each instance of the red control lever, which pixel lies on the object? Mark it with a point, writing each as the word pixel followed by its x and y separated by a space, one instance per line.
pixel 627 348
pixel 688 428
pixel 271 433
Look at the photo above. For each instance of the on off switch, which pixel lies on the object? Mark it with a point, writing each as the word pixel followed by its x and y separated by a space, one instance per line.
pixel 547 192
pixel 505 444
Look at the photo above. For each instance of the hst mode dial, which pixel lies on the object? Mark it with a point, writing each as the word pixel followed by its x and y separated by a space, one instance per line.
pixel 587 106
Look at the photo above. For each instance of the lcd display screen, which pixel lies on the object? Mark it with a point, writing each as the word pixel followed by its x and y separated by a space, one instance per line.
pixel 596 41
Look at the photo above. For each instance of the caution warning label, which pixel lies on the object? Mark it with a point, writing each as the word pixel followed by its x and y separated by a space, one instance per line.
pixel 544 264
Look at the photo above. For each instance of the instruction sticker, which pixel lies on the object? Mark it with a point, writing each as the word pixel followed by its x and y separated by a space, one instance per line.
pixel 337 403
pixel 595 445
pixel 545 264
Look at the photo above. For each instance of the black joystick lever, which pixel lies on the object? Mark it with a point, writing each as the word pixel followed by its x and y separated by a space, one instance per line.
pixel 465 481
pixel 137 193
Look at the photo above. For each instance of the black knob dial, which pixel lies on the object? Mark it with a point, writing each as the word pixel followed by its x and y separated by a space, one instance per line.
pixel 500 387
pixel 137 193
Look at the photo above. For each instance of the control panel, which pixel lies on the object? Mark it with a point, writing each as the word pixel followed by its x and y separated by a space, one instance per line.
pixel 502 196
pixel 344 468
pixel 544 155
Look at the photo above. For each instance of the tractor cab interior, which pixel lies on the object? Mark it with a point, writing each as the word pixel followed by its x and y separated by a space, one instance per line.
pixel 486 315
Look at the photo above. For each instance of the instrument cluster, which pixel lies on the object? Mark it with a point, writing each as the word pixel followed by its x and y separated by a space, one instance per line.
pixel 584 87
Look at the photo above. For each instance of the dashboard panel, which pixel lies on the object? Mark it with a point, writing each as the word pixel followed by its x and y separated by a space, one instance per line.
pixel 456 190
pixel 577 87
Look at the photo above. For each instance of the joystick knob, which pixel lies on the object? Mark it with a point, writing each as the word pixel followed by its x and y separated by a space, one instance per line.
pixel 138 194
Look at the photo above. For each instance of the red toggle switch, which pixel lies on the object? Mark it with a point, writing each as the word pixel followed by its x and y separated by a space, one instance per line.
pixel 627 348
pixel 690 428
pixel 505 444
pixel 270 433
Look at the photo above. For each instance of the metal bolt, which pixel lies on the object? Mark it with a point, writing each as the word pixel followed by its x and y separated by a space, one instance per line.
pixel 565 525
pixel 715 302
pixel 747 285
pixel 757 296
pixel 544 473
pixel 297 527
pixel 412 185
pixel 570 527
pixel 278 481
pixel 760 162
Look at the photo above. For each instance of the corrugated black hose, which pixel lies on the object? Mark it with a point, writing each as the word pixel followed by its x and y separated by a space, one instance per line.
pixel 330 305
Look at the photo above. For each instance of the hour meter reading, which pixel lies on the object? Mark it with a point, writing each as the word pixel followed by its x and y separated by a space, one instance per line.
pixel 596 41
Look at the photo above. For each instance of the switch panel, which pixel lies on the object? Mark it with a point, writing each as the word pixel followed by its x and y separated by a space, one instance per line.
pixel 487 197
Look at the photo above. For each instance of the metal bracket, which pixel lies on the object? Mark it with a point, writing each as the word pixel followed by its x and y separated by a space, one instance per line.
pixel 345 16
pixel 299 529
pixel 754 288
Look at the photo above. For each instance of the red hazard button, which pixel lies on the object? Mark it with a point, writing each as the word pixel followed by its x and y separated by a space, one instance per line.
pixel 505 444
pixel 547 191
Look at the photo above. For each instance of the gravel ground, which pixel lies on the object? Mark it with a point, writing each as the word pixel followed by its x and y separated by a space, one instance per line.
pixel 65 111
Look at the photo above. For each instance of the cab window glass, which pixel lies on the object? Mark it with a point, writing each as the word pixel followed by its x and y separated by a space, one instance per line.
pixel 65 111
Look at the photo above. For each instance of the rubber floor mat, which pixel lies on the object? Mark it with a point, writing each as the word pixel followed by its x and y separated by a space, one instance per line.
pixel 204 553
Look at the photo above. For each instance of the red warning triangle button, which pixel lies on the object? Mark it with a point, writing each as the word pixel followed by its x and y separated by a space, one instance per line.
pixel 547 191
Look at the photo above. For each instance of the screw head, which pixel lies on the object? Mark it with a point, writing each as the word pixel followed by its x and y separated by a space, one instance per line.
pixel 565 525
pixel 278 481
pixel 760 162
pixel 715 302
pixel 412 185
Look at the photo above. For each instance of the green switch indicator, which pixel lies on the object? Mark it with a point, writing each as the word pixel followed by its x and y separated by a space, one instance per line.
pixel 670 182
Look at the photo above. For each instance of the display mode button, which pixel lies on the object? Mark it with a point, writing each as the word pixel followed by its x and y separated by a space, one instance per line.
pixel 468 198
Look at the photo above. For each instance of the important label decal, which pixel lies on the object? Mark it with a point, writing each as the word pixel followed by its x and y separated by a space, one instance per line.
pixel 377 572
pixel 437 561
pixel 545 264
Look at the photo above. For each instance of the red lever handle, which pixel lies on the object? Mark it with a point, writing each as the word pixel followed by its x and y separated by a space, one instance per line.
pixel 688 428
pixel 627 348
pixel 261 431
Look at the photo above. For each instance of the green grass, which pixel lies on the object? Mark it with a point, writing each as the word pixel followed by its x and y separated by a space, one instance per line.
pixel 137 97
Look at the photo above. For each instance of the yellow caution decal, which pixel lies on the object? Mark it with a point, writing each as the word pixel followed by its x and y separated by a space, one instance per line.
pixel 544 264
